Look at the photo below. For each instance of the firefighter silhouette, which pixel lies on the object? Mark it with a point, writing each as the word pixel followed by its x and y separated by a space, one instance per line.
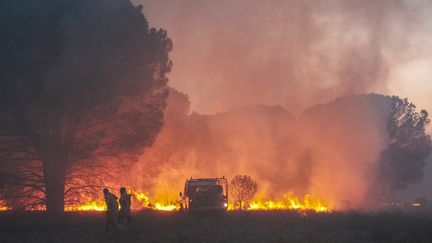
pixel 112 210
pixel 124 215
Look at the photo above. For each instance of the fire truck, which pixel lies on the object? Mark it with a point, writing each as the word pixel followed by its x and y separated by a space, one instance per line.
pixel 205 194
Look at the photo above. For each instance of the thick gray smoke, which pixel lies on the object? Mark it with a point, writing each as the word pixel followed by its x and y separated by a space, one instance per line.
pixel 294 53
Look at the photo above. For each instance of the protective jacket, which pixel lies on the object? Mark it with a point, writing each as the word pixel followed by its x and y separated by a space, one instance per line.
pixel 111 202
pixel 125 204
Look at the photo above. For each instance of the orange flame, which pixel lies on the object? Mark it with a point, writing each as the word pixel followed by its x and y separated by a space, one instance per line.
pixel 290 202
pixel 3 206
pixel 162 205
pixel 97 205
pixel 144 202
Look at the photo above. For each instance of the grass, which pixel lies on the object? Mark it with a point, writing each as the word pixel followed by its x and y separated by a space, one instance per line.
pixel 258 226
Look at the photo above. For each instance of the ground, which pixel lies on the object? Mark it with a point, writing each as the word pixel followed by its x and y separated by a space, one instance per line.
pixel 274 226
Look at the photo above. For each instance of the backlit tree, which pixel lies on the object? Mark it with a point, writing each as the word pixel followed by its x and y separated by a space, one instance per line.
pixel 242 189
pixel 82 86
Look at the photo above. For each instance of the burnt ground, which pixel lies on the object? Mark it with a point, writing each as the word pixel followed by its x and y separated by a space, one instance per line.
pixel 275 226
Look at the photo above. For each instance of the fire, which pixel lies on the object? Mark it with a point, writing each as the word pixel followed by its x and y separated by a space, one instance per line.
pixel 142 198
pixel 161 205
pixel 3 206
pixel 289 202
pixel 166 207
pixel 140 201
pixel 97 205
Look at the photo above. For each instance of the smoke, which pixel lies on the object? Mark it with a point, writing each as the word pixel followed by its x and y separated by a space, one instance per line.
pixel 292 53
pixel 289 56
pixel 331 151
pixel 346 138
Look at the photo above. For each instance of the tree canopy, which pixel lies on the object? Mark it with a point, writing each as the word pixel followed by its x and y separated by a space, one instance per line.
pixel 242 190
pixel 82 83
pixel 408 145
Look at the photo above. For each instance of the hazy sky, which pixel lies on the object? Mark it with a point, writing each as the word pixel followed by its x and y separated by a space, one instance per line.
pixel 296 53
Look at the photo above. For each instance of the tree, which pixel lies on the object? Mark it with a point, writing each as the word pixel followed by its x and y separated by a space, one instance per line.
pixel 403 159
pixel 242 190
pixel 83 87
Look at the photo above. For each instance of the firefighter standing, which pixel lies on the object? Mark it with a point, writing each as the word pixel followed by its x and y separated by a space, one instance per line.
pixel 112 210
pixel 124 215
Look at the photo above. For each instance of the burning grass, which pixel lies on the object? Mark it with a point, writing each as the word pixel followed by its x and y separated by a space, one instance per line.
pixel 90 205
pixel 143 201
pixel 289 202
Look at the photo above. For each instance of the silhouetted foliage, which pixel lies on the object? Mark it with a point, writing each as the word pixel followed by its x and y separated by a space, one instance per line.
pixel 82 85
pixel 408 144
pixel 242 189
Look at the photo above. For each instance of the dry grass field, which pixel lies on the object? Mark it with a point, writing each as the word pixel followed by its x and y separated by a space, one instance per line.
pixel 264 226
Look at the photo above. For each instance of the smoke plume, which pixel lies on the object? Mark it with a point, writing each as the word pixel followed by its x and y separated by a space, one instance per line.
pixel 294 53
pixel 288 56
pixel 331 151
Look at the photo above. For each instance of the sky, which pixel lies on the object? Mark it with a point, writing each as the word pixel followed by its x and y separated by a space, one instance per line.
pixel 296 53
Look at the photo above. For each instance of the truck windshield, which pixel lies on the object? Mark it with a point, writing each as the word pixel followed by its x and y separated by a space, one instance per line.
pixel 213 189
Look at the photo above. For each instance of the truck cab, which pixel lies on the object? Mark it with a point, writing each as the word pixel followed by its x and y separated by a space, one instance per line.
pixel 205 194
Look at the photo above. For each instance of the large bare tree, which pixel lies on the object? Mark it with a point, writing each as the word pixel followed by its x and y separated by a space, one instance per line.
pixel 82 87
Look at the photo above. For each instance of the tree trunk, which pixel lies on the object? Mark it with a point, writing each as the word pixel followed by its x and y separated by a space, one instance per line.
pixel 55 176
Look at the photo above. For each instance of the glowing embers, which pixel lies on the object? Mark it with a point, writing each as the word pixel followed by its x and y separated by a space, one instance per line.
pixel 290 202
